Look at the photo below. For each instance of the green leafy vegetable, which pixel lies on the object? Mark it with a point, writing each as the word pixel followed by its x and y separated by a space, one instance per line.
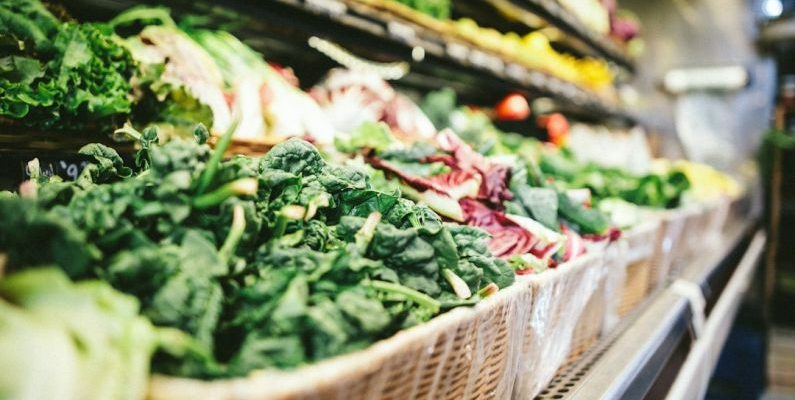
pixel 271 262
pixel 65 340
pixel 369 135
pixel 61 76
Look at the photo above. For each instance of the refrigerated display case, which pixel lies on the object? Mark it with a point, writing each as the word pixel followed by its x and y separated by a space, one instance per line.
pixel 481 206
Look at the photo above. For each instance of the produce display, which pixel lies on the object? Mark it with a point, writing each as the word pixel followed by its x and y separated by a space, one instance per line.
pixel 608 189
pixel 534 51
pixel 592 13
pixel 374 212
pixel 533 224
pixel 72 76
pixel 708 185
pixel 603 17
pixel 193 74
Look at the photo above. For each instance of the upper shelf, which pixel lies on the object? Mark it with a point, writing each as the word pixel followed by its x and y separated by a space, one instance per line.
pixel 564 28
pixel 437 55
pixel 556 15
pixel 281 29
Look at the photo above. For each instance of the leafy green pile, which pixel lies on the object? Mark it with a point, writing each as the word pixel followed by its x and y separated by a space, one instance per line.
pixel 271 262
pixel 658 190
pixel 473 126
pixel 547 164
pixel 534 196
pixel 62 76
pixel 60 340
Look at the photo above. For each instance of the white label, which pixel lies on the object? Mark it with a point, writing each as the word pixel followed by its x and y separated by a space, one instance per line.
pixel 538 79
pixel 494 63
pixel 64 169
pixel 401 31
pixel 479 58
pixel 457 51
pixel 332 7
pixel 72 170
pixel 555 86
pixel 516 72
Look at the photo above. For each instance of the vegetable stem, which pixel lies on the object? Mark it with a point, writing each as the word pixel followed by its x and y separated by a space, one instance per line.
pixel 240 187
pixel 421 299
pixel 321 200
pixel 365 234
pixel 287 214
pixel 127 131
pixel 212 165
pixel 460 287
pixel 488 290
pixel 235 233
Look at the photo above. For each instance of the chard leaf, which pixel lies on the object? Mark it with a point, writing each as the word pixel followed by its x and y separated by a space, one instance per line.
pixel 540 204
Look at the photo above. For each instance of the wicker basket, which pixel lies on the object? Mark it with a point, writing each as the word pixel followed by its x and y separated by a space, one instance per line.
pixel 701 233
pixel 589 325
pixel 559 298
pixel 514 341
pixel 708 227
pixel 691 239
pixel 639 259
pixel 667 245
pixel 615 260
pixel 463 354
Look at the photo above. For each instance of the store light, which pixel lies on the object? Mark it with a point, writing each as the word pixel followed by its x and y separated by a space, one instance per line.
pixel 772 8
pixel 728 78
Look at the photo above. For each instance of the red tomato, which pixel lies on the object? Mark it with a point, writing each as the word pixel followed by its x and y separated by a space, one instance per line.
pixel 557 127
pixel 513 107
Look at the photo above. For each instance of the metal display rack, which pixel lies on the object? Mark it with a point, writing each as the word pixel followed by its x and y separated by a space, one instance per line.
pixel 281 29
pixel 529 15
pixel 559 17
pixel 449 53
pixel 654 351
pixel 668 347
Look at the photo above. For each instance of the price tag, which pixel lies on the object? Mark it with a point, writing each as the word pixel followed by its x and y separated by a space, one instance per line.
pixel 67 169
pixel 479 58
pixel 516 72
pixel 494 63
pixel 401 31
pixel 569 90
pixel 457 51
pixel 555 86
pixel 331 7
pixel 538 79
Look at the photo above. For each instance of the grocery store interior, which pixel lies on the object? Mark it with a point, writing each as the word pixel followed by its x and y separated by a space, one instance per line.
pixel 397 199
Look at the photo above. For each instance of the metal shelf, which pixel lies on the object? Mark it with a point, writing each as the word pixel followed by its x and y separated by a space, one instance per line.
pixel 281 28
pixel 553 12
pixel 445 53
pixel 523 15
pixel 644 355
